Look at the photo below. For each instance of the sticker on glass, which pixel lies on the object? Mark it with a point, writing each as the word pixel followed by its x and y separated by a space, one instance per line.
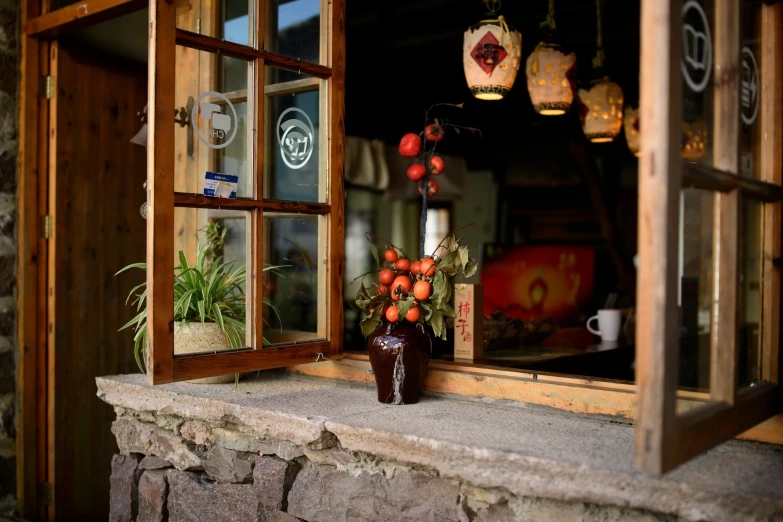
pixel 217 127
pixel 749 95
pixel 296 137
pixel 696 61
pixel 220 185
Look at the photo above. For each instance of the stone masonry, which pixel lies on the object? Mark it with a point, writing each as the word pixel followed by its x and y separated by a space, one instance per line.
pixel 9 62
pixel 176 469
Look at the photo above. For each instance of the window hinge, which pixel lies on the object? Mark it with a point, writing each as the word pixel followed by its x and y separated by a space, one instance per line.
pixel 45 494
pixel 198 25
pixel 47 86
pixel 47 226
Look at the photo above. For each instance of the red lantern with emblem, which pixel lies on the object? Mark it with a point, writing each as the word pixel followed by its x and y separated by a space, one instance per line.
pixel 491 55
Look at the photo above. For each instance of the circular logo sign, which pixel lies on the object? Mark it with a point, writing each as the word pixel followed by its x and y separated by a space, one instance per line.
pixel 296 137
pixel 696 62
pixel 749 93
pixel 220 128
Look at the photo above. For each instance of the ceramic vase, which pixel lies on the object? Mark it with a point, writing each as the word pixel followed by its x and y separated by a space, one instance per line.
pixel 399 354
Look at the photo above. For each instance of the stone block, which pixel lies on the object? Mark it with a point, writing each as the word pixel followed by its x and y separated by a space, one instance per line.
pixel 134 436
pixel 192 498
pixel 267 514
pixel 153 494
pixel 322 493
pixel 152 462
pixel 124 484
pixel 228 466
pixel 272 479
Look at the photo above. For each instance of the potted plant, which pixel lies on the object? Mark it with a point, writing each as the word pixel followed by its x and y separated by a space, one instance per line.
pixel 411 299
pixel 209 305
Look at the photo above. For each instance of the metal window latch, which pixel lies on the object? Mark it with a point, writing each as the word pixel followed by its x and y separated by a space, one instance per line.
pixel 325 358
pixel 47 86
pixel 47 227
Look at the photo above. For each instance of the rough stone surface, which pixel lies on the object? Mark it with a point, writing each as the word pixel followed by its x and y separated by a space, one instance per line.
pixel 267 514
pixel 273 479
pixel 511 454
pixel 228 466
pixel 323 493
pixel 134 436
pixel 193 498
pixel 152 462
pixel 153 494
pixel 124 490
pixel 9 63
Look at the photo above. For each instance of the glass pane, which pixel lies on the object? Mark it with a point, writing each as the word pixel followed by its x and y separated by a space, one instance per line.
pixel 698 34
pixel 212 286
pixel 751 65
pixel 224 19
pixel 294 278
pixel 294 29
pixel 295 166
pixel 749 298
pixel 213 145
pixel 695 292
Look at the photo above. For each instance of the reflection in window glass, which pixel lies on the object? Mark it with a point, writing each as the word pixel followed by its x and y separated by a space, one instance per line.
pixel 294 29
pixel 749 298
pixel 231 22
pixel 210 287
pixel 695 291
pixel 293 145
pixel 294 279
pixel 216 140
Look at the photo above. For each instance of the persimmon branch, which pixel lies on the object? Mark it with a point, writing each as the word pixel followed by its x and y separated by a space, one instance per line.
pixel 449 235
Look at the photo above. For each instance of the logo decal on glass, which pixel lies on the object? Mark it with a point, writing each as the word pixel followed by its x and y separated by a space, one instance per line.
pixel 295 137
pixel 749 95
pixel 221 128
pixel 696 62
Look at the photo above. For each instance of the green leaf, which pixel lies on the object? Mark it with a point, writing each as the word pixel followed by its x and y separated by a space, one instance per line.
pixel 371 322
pixel 449 264
pixel 377 254
pixel 464 256
pixel 363 304
pixel 448 311
pixel 438 324
pixel 427 310
pixel 471 267
pixel 404 305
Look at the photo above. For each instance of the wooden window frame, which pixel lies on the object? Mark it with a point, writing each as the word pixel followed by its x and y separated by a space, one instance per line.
pixel 664 437
pixel 164 37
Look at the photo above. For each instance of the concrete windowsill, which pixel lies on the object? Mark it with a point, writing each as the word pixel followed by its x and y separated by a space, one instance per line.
pixel 526 450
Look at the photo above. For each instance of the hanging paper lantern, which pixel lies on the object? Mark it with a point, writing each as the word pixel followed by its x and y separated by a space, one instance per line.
pixel 631 126
pixel 694 137
pixel 601 111
pixel 491 54
pixel 550 75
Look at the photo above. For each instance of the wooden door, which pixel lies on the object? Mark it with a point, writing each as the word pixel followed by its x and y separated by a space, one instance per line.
pixel 96 188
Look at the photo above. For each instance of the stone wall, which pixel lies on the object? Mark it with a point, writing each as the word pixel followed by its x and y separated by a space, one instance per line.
pixel 175 469
pixel 9 62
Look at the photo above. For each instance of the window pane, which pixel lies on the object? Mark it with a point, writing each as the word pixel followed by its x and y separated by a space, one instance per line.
pixel 695 292
pixel 749 299
pixel 216 138
pixel 295 163
pixel 224 19
pixel 294 278
pixel 697 66
pixel 751 66
pixel 294 29
pixel 212 286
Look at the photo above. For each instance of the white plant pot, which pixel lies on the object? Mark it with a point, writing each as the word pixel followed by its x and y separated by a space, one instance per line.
pixel 192 338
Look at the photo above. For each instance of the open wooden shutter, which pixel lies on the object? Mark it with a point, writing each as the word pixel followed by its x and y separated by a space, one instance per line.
pixel 244 102
pixel 727 58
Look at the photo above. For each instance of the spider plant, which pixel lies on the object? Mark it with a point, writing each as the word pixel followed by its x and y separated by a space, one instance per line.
pixel 205 292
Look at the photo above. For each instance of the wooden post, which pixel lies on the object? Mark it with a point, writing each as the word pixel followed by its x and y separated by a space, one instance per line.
pixel 659 191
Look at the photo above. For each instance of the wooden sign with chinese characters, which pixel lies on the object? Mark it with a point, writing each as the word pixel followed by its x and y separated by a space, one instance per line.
pixel 469 323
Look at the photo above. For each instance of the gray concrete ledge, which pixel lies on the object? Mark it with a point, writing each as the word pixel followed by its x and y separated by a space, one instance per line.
pixel 527 451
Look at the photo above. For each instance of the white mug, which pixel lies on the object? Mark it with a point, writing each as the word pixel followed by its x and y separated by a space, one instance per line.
pixel 609 323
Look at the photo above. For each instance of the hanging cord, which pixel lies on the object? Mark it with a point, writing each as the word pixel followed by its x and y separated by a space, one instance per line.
pixel 493 5
pixel 550 18
pixel 598 61
pixel 504 30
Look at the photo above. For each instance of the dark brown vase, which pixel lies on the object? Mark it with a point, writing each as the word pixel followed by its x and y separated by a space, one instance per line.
pixel 399 355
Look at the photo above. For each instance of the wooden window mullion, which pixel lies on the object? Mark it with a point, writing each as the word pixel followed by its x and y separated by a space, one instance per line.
pixel 771 116
pixel 160 197
pixel 723 332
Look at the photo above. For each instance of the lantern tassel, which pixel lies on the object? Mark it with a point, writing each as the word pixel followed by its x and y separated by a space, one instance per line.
pixel 598 61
